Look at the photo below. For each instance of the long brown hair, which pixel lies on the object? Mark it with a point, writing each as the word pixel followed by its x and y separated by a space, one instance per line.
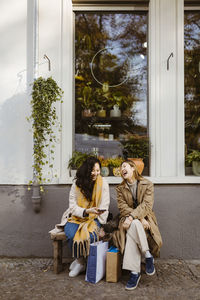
pixel 83 176
pixel 133 165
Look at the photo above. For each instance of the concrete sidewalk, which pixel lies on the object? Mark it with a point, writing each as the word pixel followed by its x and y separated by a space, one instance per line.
pixel 23 278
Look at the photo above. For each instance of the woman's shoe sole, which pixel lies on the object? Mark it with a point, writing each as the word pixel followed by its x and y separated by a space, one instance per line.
pixel 150 274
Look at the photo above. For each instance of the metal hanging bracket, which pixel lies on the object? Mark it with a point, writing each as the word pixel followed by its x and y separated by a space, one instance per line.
pixel 171 55
pixel 49 62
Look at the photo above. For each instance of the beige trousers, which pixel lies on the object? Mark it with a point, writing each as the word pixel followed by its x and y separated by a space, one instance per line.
pixel 136 245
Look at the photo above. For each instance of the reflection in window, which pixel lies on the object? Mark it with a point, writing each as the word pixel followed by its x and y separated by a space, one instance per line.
pixel 111 85
pixel 192 83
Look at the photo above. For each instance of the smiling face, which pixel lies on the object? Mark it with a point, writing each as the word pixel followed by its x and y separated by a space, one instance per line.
pixel 95 171
pixel 127 172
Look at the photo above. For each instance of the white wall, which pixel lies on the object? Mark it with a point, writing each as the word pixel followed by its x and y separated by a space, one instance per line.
pixel 15 139
pixel 17 72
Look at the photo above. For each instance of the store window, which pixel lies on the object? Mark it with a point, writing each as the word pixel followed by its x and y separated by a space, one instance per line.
pixel 192 86
pixel 111 85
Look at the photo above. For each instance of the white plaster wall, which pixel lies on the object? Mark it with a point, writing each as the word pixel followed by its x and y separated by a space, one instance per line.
pixel 15 139
pixel 17 72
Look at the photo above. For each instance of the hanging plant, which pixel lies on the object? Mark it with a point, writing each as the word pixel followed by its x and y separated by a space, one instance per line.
pixel 45 94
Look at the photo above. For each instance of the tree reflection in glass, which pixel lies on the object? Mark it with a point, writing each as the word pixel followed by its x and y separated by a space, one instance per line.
pixel 111 75
pixel 192 81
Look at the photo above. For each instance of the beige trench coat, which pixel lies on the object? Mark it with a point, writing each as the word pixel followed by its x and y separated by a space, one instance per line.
pixel 145 198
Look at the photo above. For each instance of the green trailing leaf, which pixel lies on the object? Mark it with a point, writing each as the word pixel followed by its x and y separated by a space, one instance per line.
pixel 45 94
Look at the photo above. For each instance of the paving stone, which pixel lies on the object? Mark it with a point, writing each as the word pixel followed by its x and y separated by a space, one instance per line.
pixel 33 278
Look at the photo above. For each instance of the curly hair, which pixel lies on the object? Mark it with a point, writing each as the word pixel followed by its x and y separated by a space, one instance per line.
pixel 83 176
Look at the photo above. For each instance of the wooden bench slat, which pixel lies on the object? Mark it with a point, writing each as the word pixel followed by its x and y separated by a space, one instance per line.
pixel 58 236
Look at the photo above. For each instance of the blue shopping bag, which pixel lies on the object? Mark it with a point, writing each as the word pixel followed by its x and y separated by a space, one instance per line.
pixel 96 263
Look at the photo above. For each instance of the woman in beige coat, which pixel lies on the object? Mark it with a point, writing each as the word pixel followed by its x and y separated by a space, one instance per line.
pixel 138 232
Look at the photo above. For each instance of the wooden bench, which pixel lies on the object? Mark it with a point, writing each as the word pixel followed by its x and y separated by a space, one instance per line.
pixel 58 239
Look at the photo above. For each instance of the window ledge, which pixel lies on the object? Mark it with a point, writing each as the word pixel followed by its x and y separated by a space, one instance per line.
pixel 155 180
pixel 175 180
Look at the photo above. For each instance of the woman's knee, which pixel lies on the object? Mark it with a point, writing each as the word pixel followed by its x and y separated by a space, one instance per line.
pixel 135 223
pixel 70 230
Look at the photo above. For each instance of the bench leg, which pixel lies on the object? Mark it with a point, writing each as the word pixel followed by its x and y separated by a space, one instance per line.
pixel 57 256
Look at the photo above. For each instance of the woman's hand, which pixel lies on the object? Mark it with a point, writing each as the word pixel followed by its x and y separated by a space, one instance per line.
pixel 145 224
pixel 101 232
pixel 95 210
pixel 92 210
pixel 127 222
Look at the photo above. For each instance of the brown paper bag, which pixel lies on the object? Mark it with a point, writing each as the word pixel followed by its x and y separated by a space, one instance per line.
pixel 113 266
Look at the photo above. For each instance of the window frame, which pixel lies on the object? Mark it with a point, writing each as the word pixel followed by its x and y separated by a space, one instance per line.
pixel 167 160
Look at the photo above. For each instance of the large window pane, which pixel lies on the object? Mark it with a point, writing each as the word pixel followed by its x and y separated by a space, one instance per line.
pixel 192 83
pixel 111 108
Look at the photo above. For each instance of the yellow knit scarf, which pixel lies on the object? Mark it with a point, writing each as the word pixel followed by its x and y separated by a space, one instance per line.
pixel 87 225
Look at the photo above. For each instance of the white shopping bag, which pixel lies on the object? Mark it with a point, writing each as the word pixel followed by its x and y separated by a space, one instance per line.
pixel 96 264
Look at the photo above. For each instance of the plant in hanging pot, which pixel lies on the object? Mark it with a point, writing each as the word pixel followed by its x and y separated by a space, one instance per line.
pixel 45 93
pixel 194 159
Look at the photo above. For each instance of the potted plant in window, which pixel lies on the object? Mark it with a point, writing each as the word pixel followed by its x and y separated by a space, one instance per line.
pixel 194 159
pixel 114 164
pixel 119 103
pixel 100 102
pixel 115 111
pixel 76 161
pixel 86 100
pixel 117 100
pixel 104 166
pixel 137 149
